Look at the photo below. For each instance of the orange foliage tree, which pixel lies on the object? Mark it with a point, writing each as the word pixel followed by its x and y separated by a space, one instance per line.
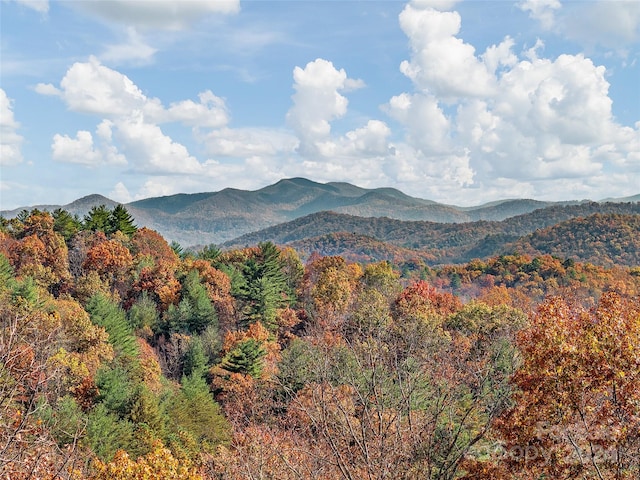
pixel 577 407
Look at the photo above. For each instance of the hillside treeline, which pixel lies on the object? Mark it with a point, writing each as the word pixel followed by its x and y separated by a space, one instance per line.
pixel 125 357
pixel 605 234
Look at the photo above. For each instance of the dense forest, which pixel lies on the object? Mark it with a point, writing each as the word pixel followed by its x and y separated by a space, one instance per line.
pixel 592 224
pixel 125 357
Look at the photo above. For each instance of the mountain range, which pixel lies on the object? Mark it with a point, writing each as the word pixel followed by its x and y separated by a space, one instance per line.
pixel 301 212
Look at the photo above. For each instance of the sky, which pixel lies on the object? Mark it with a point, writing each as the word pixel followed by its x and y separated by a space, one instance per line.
pixel 458 102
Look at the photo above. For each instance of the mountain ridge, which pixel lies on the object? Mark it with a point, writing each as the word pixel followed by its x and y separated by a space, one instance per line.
pixel 444 242
pixel 218 217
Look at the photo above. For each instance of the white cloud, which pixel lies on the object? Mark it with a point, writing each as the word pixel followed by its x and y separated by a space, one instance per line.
pixel 82 150
pixel 133 51
pixel 93 88
pixel 611 24
pixel 543 11
pixel 157 14
pixel 426 126
pixel 500 55
pixel 47 89
pixel 210 112
pixel 10 140
pixel 153 151
pixel 249 142
pixel 317 101
pixel 370 140
pixel 440 62
pixel 120 193
pixel 90 87
pixel 533 126
pixel 131 119
pixel 435 4
pixel 79 150
pixel 605 23
pixel 40 6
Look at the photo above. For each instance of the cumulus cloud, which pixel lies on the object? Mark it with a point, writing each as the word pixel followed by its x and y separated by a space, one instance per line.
pixel 10 140
pixel 133 51
pixel 82 150
pixel 157 14
pixel 153 151
pixel 543 11
pixel 442 63
pixel 93 88
pixel 90 87
pixel 211 111
pixel 317 101
pixel 249 142
pixel 496 122
pixel 130 118
pixel 120 193
pixel 610 24
pixel 604 23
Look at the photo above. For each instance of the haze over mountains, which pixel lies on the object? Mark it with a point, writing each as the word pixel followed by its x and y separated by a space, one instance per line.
pixel 296 209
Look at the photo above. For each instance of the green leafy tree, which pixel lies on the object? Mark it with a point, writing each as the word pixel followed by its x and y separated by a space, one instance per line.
pixel 195 358
pixel 177 249
pixel 116 387
pixel 97 219
pixel 245 358
pixel 105 313
pixel 65 224
pixel 6 271
pixel 120 220
pixel 209 252
pixel 143 313
pixel 196 415
pixel 195 312
pixel 266 288
pixel 107 433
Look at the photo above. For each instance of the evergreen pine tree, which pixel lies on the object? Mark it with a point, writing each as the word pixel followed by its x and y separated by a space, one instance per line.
pixel 210 253
pixel 195 312
pixel 121 220
pixel 105 313
pixel 195 358
pixel 65 224
pixel 6 272
pixel 245 358
pixel 266 288
pixel 195 412
pixel 97 219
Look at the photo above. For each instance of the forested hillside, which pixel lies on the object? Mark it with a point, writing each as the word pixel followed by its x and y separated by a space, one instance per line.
pixel 612 239
pixel 218 217
pixel 125 357
pixel 462 242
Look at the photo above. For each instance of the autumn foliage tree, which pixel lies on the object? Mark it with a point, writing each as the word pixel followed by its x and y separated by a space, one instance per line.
pixel 577 404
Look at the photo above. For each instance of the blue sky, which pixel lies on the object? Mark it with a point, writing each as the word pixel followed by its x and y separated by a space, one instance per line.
pixel 458 102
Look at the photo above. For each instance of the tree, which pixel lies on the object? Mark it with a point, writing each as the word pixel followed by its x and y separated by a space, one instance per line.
pixel 120 220
pixel 265 289
pixel 576 410
pixel 105 313
pixel 209 253
pixel 41 252
pixel 245 358
pixel 110 259
pixel 327 289
pixel 195 311
pixel 29 332
pixel 97 219
pixel 65 224
pixel 159 464
pixel 195 414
